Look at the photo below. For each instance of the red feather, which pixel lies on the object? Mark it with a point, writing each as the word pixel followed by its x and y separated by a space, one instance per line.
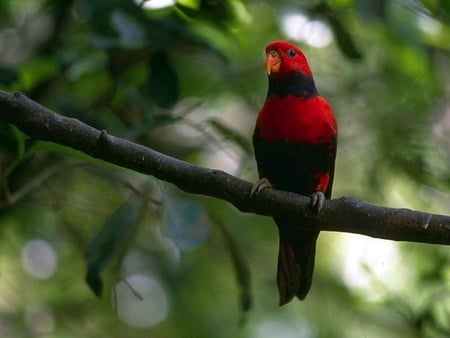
pixel 295 148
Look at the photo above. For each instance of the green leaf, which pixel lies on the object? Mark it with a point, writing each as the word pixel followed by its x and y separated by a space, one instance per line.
pixel 241 269
pixel 22 152
pixel 340 32
pixel 36 71
pixel 162 82
pixel 343 37
pixel 8 76
pixel 112 241
pixel 431 5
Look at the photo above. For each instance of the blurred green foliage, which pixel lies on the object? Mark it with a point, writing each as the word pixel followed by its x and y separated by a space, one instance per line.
pixel 188 79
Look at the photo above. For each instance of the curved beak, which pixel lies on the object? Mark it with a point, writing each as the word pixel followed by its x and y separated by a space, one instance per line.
pixel 273 62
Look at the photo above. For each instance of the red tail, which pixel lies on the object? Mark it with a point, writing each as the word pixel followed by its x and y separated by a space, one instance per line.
pixel 295 266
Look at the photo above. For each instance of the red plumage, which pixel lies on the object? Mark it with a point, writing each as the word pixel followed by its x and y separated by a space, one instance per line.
pixel 295 142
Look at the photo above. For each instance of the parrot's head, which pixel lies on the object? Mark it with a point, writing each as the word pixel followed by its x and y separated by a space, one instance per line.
pixel 282 57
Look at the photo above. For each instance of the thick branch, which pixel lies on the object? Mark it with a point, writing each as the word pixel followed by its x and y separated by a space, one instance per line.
pixel 342 214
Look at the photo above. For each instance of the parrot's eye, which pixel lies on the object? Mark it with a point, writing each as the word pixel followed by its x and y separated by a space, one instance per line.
pixel 292 53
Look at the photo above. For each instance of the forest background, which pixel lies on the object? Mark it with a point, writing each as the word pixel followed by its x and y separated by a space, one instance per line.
pixel 187 78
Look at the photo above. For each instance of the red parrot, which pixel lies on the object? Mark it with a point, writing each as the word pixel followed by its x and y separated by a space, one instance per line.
pixel 295 143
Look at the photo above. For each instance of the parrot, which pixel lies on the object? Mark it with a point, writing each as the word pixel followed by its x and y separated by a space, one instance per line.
pixel 295 142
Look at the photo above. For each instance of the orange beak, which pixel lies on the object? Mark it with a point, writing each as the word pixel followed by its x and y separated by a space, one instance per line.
pixel 273 62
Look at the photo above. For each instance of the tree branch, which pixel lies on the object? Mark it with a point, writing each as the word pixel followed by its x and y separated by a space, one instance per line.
pixel 344 214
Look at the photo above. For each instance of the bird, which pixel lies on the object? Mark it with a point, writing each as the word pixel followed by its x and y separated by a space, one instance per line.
pixel 295 142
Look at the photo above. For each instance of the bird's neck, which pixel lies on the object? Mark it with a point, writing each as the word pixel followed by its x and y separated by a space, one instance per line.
pixel 295 84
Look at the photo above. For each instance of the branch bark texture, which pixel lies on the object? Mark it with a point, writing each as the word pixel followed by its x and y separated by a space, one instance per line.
pixel 344 214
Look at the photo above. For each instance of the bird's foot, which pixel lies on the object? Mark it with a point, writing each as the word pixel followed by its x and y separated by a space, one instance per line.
pixel 259 186
pixel 317 200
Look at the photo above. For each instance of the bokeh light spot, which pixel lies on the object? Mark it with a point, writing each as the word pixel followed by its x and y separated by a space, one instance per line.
pixel 148 307
pixel 300 28
pixel 39 258
pixel 156 4
pixel 370 264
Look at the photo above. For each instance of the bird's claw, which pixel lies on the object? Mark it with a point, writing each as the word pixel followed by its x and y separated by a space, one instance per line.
pixel 259 186
pixel 317 200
